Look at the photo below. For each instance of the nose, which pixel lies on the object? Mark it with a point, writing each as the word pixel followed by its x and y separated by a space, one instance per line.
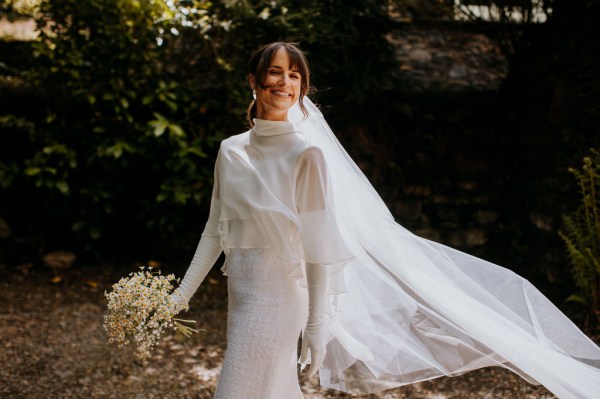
pixel 283 80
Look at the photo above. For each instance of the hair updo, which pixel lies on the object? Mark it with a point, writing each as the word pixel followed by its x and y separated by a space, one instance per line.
pixel 260 62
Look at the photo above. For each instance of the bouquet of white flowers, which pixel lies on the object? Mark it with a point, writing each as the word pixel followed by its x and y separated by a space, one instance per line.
pixel 141 306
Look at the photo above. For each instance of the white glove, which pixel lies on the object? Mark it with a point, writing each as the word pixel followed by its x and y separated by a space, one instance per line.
pixel 177 302
pixel 207 253
pixel 315 334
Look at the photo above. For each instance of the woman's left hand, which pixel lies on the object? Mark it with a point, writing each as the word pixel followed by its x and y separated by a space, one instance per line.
pixel 315 339
pixel 316 332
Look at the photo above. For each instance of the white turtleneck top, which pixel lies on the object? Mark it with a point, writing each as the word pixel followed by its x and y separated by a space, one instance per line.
pixel 271 189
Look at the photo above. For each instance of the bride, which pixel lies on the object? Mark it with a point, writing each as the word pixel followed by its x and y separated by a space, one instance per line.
pixel 312 251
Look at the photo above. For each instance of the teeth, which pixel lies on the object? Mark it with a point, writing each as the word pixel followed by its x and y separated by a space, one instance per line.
pixel 280 93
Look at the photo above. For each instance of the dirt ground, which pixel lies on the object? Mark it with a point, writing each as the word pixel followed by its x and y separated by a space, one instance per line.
pixel 53 346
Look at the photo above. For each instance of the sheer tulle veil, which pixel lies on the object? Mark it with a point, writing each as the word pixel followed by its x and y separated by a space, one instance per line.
pixel 408 309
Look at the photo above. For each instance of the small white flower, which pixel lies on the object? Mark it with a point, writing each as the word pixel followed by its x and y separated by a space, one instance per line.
pixel 140 307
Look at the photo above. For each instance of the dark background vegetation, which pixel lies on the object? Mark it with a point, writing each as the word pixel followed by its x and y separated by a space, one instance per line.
pixel 110 120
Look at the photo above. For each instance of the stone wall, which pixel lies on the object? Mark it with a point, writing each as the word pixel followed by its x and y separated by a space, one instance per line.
pixel 449 59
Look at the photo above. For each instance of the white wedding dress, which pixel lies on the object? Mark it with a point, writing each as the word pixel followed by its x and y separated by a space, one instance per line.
pixel 401 308
pixel 267 307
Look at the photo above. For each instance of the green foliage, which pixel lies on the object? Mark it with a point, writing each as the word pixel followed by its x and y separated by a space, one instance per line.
pixel 129 100
pixel 117 133
pixel 582 238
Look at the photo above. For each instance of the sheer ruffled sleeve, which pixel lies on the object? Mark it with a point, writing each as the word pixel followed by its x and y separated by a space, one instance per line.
pixel 321 238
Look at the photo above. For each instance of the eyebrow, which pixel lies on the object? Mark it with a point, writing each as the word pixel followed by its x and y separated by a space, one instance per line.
pixel 278 67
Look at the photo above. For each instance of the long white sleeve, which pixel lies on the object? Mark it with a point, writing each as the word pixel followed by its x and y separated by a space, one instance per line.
pixel 208 250
pixel 315 337
pixel 207 253
pixel 319 234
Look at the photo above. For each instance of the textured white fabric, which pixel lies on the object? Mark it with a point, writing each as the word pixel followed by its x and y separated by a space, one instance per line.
pixel 267 310
pixel 400 308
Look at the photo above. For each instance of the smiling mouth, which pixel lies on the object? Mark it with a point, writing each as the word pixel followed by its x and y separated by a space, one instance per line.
pixel 281 93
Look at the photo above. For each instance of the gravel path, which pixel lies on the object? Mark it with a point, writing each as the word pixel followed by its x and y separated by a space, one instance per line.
pixel 53 346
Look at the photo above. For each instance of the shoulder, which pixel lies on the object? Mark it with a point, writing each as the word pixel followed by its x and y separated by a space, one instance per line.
pixel 310 157
pixel 229 147
pixel 311 154
pixel 235 140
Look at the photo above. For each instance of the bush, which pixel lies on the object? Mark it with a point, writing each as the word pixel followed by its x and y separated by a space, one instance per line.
pixel 582 240
pixel 128 100
pixel 117 133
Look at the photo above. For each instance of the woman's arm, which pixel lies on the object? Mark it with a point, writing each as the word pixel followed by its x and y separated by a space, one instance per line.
pixel 207 253
pixel 208 250
pixel 312 198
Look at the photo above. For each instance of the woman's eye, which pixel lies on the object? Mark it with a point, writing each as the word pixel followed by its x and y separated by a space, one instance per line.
pixel 295 76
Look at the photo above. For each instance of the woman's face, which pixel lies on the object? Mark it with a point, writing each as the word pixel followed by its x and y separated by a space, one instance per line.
pixel 281 90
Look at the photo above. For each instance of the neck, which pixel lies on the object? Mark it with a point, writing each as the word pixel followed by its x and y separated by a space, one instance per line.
pixel 271 115
pixel 267 127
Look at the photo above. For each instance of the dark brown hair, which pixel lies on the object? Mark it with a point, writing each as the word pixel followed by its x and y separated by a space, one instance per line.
pixel 259 64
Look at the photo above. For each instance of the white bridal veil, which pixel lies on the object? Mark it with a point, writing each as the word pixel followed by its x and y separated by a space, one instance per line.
pixel 412 309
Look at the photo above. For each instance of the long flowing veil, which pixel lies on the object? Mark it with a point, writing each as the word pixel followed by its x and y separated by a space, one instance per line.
pixel 414 309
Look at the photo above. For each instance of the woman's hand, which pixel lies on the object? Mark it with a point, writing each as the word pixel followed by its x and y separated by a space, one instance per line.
pixel 177 300
pixel 315 334
pixel 315 339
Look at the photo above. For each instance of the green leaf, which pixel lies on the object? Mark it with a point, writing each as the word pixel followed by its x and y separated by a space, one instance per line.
pixel 577 298
pixel 171 104
pixel 161 197
pixel 159 127
pixel 94 233
pixel 32 171
pixel 78 226
pixel 196 151
pixel 116 150
pixel 63 187
pixel 181 197
pixel 176 130
pixel 60 148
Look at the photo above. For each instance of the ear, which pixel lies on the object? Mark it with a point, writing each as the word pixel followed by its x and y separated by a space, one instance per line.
pixel 251 81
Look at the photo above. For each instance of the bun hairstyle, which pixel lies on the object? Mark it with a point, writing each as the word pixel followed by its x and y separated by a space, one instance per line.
pixel 259 64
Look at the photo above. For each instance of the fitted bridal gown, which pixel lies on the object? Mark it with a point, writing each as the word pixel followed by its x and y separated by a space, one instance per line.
pixel 400 308
pixel 267 307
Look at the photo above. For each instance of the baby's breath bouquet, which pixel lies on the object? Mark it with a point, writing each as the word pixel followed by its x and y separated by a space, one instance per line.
pixel 140 307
